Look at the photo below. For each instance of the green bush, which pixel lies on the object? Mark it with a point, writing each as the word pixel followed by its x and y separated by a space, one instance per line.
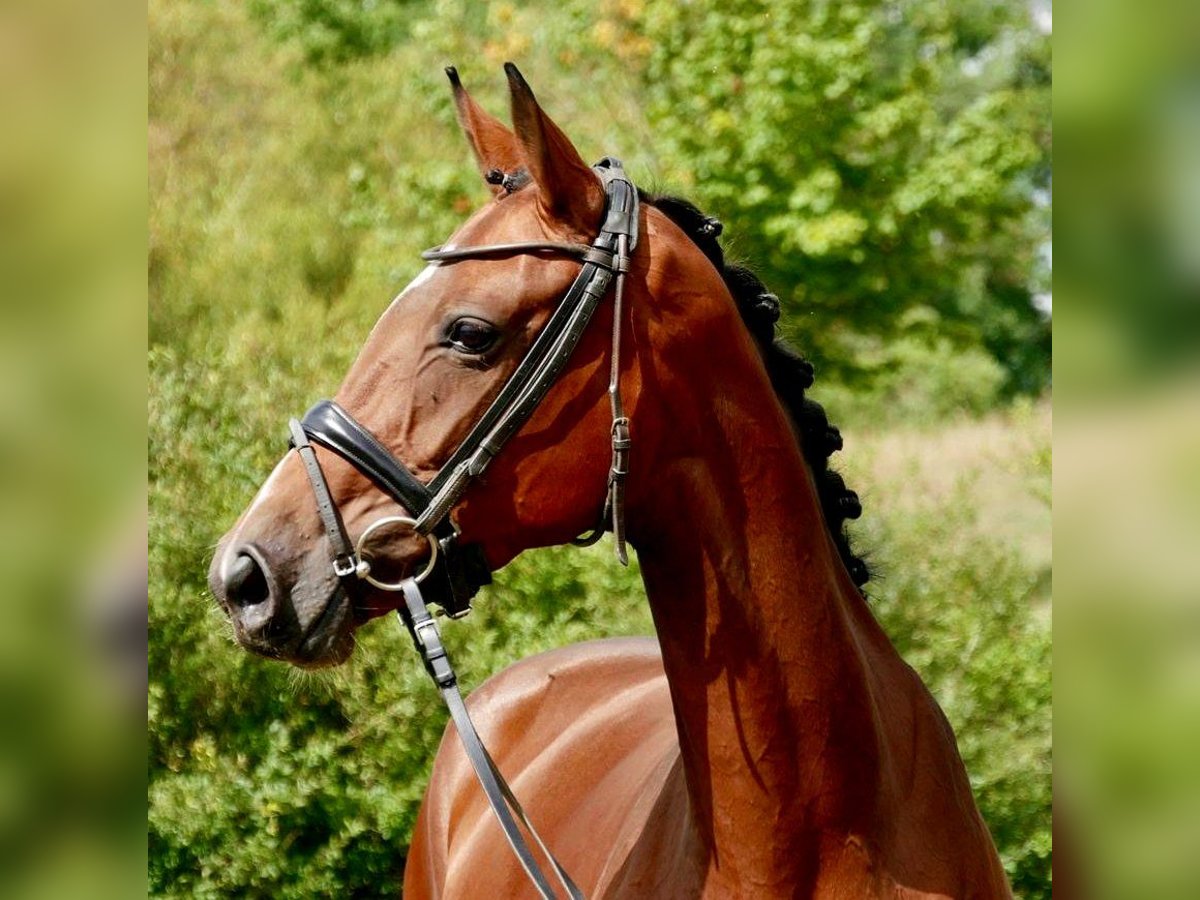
pixel 918 377
pixel 970 619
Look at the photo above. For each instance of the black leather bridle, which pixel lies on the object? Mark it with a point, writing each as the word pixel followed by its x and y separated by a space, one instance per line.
pixel 454 571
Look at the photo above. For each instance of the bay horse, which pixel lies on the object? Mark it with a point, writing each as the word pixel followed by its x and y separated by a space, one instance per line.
pixel 770 742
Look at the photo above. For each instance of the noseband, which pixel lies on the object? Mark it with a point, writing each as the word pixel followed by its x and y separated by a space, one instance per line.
pixel 454 572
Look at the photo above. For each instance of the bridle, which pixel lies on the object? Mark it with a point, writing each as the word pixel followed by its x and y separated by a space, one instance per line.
pixel 454 572
pixel 459 571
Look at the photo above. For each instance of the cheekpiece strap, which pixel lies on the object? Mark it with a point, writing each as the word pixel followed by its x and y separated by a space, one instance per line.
pixel 345 560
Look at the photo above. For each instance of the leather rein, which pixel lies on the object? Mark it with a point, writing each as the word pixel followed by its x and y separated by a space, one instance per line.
pixel 454 572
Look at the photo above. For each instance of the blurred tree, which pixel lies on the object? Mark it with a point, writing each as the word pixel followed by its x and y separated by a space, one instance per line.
pixel 337 31
pixel 870 158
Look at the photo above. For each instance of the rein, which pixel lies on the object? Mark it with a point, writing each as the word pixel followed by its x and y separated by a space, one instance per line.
pixel 457 571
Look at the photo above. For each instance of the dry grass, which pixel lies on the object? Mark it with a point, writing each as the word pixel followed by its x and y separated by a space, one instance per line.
pixel 1001 462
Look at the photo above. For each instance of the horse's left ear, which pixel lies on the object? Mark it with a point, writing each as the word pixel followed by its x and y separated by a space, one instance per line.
pixel 568 190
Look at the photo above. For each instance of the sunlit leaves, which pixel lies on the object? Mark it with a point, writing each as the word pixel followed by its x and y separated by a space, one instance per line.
pixel 858 165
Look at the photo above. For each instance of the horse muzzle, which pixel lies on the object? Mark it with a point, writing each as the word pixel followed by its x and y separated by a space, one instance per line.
pixel 308 623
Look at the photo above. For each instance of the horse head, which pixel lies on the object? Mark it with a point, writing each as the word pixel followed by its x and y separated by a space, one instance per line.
pixel 431 366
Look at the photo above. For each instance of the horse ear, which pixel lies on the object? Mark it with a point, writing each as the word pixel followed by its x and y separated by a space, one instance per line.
pixel 568 190
pixel 494 145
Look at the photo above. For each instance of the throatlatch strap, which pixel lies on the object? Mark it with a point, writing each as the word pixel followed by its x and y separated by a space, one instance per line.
pixel 614 504
pixel 425 634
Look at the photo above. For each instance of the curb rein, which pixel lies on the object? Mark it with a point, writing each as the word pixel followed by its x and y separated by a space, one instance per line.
pixel 460 570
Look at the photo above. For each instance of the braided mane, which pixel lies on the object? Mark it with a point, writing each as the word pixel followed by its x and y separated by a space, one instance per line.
pixel 790 374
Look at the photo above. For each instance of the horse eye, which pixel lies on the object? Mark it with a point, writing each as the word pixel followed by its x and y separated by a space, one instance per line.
pixel 471 335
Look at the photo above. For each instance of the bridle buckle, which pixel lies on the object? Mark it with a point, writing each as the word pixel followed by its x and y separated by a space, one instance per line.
pixel 345 566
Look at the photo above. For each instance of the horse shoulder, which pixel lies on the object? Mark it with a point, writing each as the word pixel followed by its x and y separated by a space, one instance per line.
pixel 588 731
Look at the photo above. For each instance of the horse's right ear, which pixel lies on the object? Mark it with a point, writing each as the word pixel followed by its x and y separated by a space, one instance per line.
pixel 494 145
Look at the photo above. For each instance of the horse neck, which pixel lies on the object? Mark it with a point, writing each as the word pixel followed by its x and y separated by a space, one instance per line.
pixel 763 639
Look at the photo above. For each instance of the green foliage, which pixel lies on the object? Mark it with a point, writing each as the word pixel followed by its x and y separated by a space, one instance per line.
pixel 300 157
pixel 966 618
pixel 336 31
pixel 869 159
pixel 918 376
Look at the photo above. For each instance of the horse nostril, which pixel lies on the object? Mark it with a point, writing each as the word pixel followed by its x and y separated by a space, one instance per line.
pixel 245 582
